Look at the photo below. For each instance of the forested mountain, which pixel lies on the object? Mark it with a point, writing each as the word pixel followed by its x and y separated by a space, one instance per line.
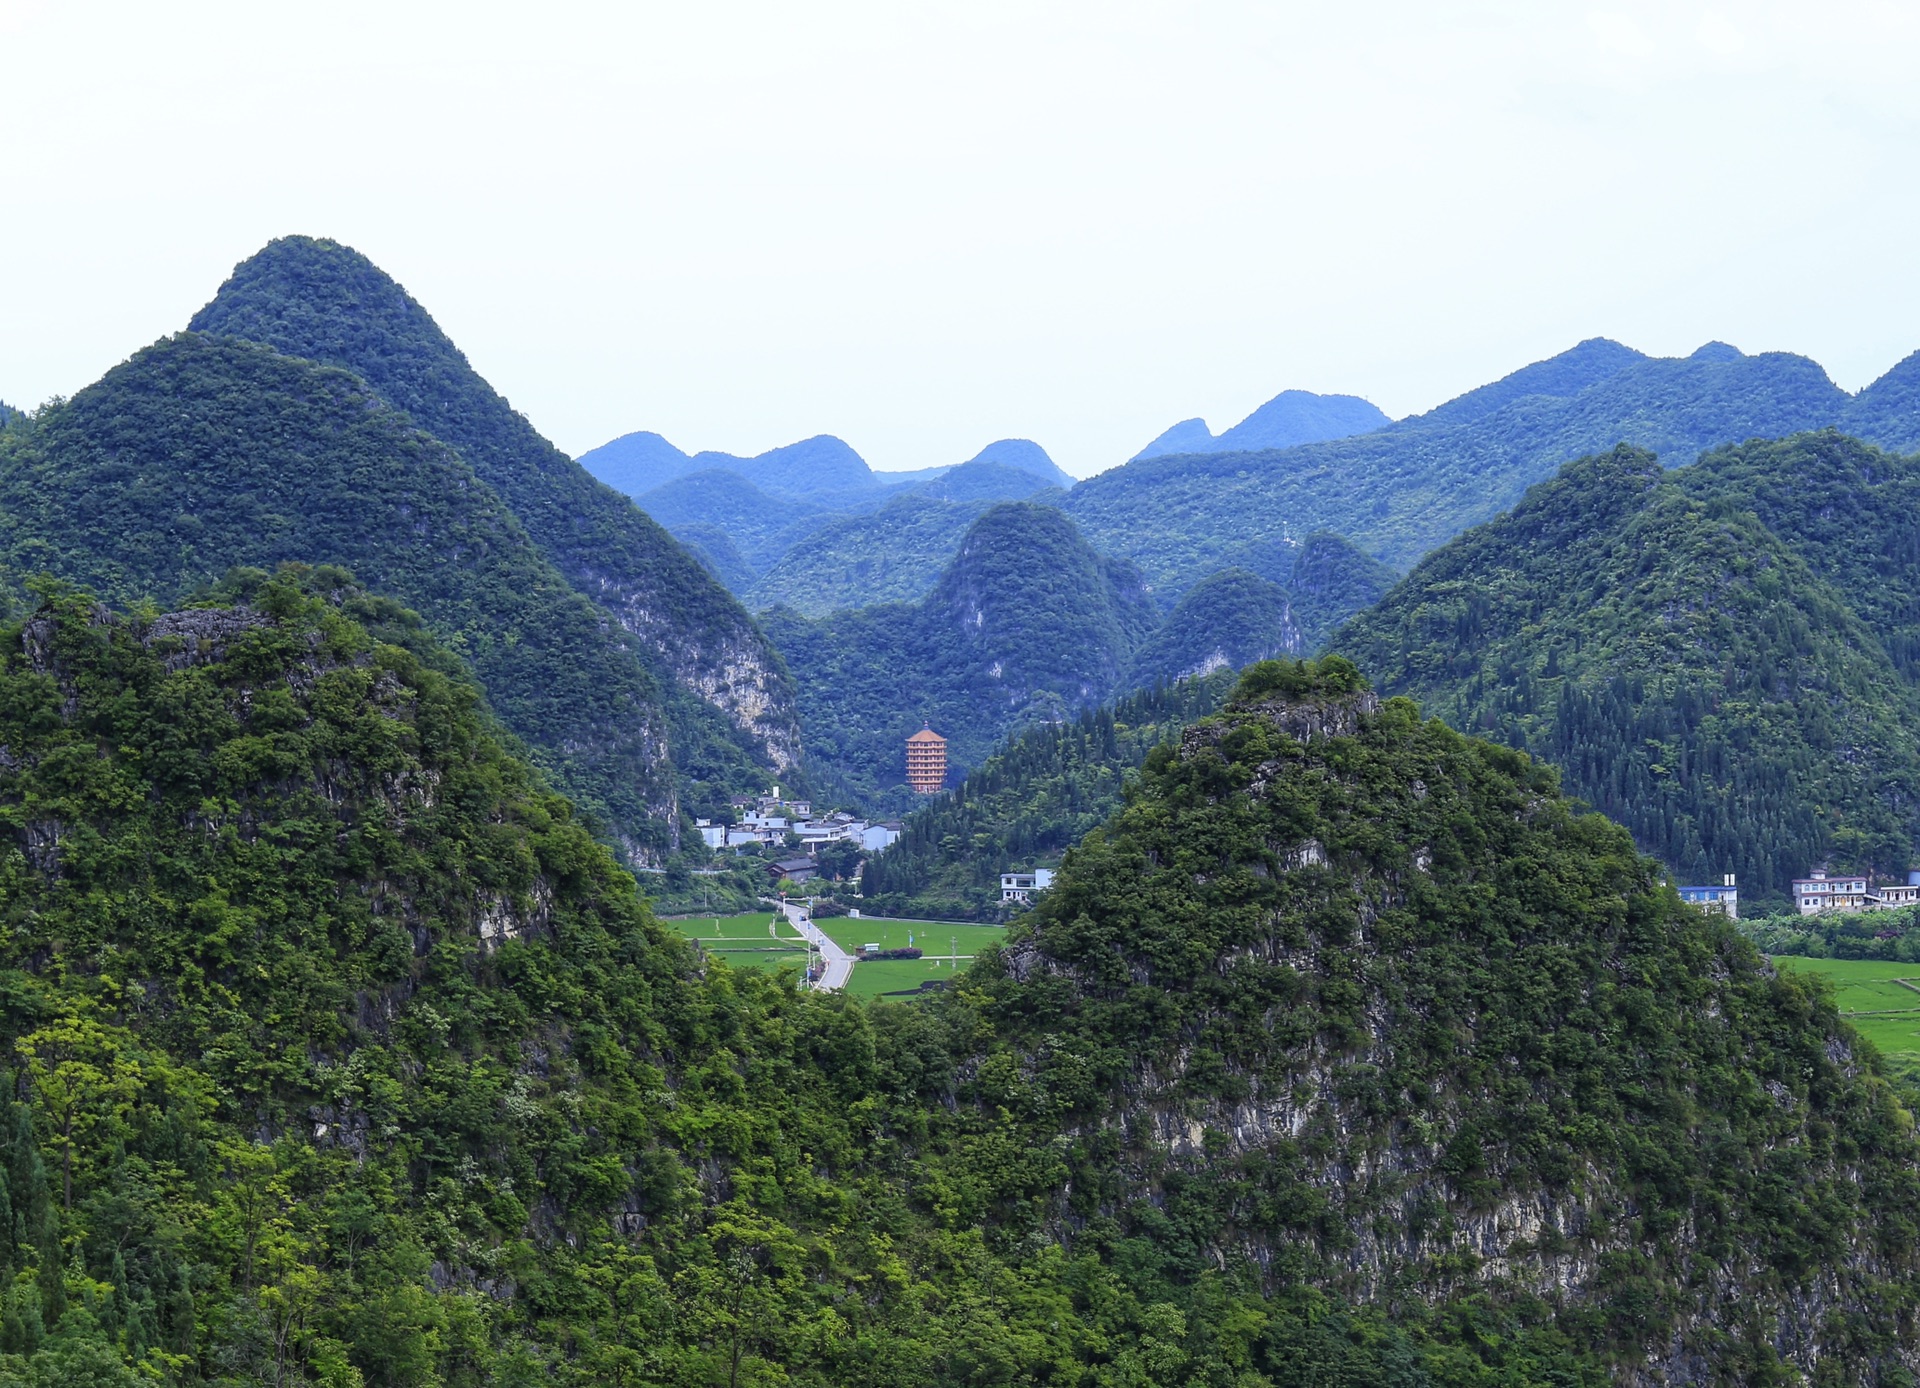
pixel 1722 657
pixel 202 453
pixel 729 702
pixel 1401 490
pixel 1026 624
pixel 344 1056
pixel 894 554
pixel 1345 993
pixel 1223 622
pixel 1888 411
pixel 1291 417
pixel 754 523
pixel 1029 802
pixel 1026 456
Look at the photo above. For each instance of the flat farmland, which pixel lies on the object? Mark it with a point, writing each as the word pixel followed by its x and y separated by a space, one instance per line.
pixel 1875 996
pixel 743 940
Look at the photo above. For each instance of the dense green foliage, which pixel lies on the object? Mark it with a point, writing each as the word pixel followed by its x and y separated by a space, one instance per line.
pixel 1027 803
pixel 894 554
pixel 1401 490
pixel 203 453
pixel 1371 1001
pixel 1893 935
pixel 729 703
pixel 1331 580
pixel 1026 625
pixel 1224 621
pixel 753 522
pixel 339 1054
pixel 1692 670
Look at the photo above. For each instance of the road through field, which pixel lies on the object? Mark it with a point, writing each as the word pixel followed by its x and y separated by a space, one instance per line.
pixel 839 963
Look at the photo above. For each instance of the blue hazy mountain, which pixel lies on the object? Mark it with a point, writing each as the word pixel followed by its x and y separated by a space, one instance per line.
pixel 1401 490
pixel 1025 455
pixel 1291 417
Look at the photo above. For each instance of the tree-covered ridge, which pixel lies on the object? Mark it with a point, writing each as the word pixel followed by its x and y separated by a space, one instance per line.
pixel 1369 1002
pixel 337 1053
pixel 203 453
pixel 894 554
pixel 1729 690
pixel 1026 624
pixel 730 703
pixel 1028 803
pixel 1223 622
pixel 1399 491
pixel 1691 673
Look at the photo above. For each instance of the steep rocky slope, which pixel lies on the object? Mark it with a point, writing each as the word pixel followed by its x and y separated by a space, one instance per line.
pixel 325 302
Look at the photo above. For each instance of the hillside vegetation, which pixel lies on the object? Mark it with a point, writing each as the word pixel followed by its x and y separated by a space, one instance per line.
pixel 1399 491
pixel 1027 624
pixel 342 1055
pixel 1028 803
pixel 203 453
pixel 1368 1003
pixel 729 704
pixel 1721 657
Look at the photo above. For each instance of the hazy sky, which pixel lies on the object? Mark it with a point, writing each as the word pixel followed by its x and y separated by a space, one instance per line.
pixel 925 226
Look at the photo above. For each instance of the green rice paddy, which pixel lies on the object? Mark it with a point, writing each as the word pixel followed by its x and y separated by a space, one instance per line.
pixel 1880 999
pixel 743 942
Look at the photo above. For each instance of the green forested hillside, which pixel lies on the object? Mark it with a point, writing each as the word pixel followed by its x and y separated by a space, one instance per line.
pixel 1223 622
pixel 1028 803
pixel 1399 491
pixel 749 518
pixel 894 554
pixel 730 704
pixel 1027 624
pixel 340 1055
pixel 1330 580
pixel 1346 993
pixel 202 453
pixel 1723 688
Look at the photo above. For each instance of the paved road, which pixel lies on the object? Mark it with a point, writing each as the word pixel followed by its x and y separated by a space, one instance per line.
pixel 839 963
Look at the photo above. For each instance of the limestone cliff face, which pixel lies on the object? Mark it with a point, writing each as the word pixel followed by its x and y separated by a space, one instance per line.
pixel 1384 1012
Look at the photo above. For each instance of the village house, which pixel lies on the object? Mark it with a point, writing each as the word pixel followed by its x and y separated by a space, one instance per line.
pixel 1820 891
pixel 1723 900
pixel 1020 886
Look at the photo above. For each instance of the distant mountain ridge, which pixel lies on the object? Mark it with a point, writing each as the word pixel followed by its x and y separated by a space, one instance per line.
pixel 820 469
pixel 1403 489
pixel 1291 417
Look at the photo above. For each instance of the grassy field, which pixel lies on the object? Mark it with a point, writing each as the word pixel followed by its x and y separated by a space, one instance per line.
pixel 744 943
pixel 743 940
pixel 1881 1009
pixel 932 937
pixel 896 976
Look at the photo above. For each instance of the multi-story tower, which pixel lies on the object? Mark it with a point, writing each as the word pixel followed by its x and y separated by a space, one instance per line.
pixel 927 761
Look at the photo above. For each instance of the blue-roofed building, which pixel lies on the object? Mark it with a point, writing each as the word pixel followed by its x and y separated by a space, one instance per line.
pixel 1721 900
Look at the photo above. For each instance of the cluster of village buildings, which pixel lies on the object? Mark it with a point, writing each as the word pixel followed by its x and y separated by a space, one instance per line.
pixel 768 820
pixel 1818 891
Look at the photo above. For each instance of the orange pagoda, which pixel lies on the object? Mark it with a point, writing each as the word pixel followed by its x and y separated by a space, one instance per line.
pixel 927 761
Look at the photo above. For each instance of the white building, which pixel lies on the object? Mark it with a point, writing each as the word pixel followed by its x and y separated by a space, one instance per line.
pixel 874 837
pixel 1823 893
pixel 1020 886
